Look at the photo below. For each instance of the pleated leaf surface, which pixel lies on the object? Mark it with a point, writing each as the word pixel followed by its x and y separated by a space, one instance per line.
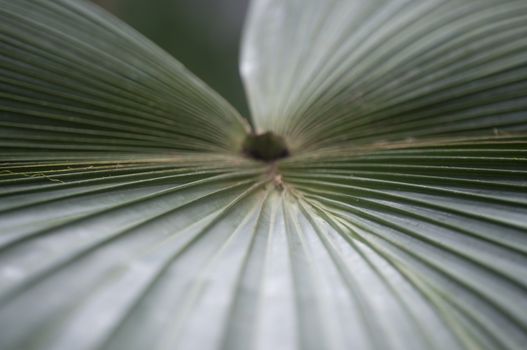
pixel 130 218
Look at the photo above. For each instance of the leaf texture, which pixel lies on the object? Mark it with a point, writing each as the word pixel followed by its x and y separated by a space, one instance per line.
pixel 444 223
pixel 330 72
pixel 74 79
pixel 130 220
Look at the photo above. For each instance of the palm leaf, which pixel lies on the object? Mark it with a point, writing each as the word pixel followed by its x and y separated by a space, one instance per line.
pixel 131 216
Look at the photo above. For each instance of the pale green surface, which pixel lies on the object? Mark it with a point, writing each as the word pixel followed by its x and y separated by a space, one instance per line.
pixel 128 219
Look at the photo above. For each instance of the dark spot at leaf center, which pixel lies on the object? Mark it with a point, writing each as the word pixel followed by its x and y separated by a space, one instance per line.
pixel 266 147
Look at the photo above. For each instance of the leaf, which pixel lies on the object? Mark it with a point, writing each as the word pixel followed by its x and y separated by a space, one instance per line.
pixel 329 72
pixel 441 227
pixel 132 218
pixel 74 79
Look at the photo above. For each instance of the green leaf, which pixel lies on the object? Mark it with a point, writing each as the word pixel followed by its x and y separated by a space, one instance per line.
pixel 329 72
pixel 133 217
pixel 74 79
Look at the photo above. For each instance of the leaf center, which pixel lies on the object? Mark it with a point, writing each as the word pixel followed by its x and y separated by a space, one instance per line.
pixel 267 147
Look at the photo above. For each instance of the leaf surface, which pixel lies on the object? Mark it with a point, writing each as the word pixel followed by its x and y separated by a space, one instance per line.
pixel 129 218
pixel 333 72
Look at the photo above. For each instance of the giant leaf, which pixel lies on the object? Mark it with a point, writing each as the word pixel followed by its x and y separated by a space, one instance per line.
pixel 133 214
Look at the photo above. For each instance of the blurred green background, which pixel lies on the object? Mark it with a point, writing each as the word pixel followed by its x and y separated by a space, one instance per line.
pixel 202 34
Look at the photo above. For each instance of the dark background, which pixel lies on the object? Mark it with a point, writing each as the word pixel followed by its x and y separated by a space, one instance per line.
pixel 202 34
